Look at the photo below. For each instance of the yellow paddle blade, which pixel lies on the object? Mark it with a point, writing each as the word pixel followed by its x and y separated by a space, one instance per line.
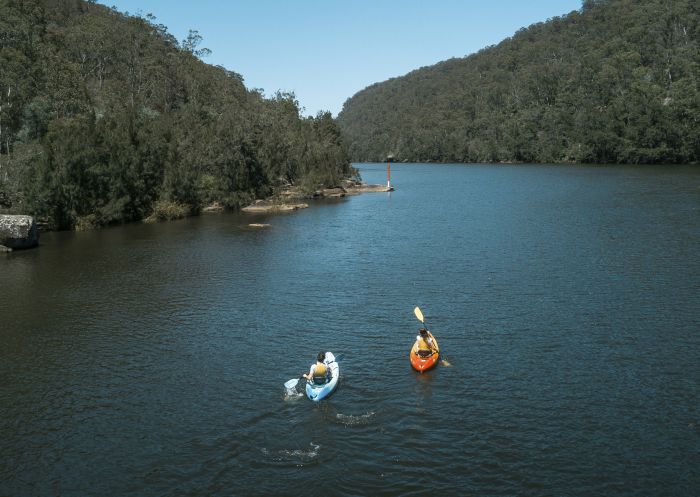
pixel 445 362
pixel 418 314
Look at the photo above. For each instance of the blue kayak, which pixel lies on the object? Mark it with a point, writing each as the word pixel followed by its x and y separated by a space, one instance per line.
pixel 318 392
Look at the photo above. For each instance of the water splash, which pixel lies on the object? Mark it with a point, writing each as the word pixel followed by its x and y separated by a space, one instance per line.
pixel 355 420
pixel 297 456
pixel 292 394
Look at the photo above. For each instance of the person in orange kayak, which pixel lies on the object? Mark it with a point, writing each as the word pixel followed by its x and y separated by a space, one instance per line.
pixel 319 372
pixel 426 345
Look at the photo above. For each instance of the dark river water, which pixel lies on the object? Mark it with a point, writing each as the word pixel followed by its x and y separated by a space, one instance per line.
pixel 149 360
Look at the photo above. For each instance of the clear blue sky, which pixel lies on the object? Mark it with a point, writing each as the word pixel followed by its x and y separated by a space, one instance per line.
pixel 325 51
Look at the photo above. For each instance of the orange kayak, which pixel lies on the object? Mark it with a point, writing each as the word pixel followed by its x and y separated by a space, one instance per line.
pixel 424 363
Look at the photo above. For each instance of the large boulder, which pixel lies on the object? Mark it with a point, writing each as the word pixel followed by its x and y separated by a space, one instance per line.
pixel 18 232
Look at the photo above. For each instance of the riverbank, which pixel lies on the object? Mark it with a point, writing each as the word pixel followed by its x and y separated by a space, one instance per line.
pixel 287 198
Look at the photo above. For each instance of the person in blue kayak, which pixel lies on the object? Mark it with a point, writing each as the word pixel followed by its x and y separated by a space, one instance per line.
pixel 318 373
pixel 426 345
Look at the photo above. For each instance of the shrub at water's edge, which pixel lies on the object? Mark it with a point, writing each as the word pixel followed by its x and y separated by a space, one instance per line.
pixel 107 118
pixel 167 211
pixel 615 82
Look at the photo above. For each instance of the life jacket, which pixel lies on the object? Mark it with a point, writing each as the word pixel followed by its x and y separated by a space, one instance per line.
pixel 320 373
pixel 423 344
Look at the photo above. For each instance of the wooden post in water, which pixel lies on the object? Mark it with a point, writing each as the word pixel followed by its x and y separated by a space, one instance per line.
pixel 389 188
pixel 388 173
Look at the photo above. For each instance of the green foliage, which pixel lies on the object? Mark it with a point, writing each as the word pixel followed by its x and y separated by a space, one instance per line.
pixel 616 82
pixel 164 210
pixel 106 118
pixel 193 40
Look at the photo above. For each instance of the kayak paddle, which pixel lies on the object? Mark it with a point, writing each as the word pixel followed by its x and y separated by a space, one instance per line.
pixel 292 385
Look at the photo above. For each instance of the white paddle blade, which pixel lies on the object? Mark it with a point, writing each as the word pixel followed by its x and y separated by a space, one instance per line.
pixel 418 314
pixel 291 383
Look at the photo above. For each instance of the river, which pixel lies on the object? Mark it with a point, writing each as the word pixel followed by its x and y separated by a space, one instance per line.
pixel 149 359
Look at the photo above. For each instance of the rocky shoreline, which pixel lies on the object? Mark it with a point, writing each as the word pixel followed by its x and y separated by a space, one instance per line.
pixel 291 199
pixel 22 232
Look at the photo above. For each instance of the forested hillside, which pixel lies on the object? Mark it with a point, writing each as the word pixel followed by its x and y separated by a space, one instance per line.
pixel 106 118
pixel 616 82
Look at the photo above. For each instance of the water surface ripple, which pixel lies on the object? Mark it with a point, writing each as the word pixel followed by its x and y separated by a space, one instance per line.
pixel 149 359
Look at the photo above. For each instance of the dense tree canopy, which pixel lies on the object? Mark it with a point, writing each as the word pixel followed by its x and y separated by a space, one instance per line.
pixel 616 82
pixel 106 117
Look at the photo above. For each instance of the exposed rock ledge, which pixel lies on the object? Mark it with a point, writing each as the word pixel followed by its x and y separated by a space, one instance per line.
pixel 284 202
pixel 265 206
pixel 353 187
pixel 18 232
pixel 364 188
